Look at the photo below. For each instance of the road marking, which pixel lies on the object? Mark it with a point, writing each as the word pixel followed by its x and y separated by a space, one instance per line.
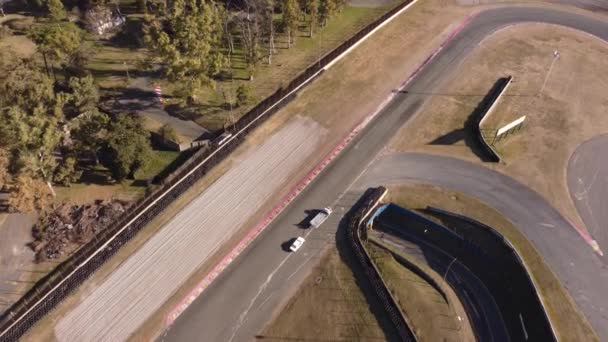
pixel 243 315
pixel 266 300
pixel 300 267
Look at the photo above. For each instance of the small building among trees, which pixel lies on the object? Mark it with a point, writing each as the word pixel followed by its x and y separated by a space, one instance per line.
pixel 101 20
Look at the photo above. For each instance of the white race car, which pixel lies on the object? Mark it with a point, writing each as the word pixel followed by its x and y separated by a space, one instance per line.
pixel 297 244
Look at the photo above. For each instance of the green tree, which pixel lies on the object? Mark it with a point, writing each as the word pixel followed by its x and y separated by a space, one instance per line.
pixel 29 194
pixel 67 172
pixel 327 8
pixel 30 117
pixel 88 133
pixel 24 86
pixel 340 4
pixel 187 40
pixel 61 44
pixel 244 94
pixel 312 7
pixel 84 94
pixel 56 10
pixel 128 146
pixel 291 11
pixel 35 126
pixel 5 176
pixel 167 132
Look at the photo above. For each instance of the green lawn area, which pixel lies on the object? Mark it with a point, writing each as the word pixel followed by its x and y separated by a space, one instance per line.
pixel 158 161
pixel 429 315
pixel 110 64
pixel 93 185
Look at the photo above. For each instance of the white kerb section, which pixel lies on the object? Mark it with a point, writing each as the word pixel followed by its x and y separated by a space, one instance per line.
pixel 511 125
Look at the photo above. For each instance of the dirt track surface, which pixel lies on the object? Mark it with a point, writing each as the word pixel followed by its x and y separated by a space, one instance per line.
pixel 134 291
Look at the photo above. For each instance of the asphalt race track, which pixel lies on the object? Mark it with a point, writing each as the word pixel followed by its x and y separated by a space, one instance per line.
pixel 588 185
pixel 565 251
pixel 485 316
pixel 243 298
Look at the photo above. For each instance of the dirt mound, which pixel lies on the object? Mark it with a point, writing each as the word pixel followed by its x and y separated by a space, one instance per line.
pixel 70 226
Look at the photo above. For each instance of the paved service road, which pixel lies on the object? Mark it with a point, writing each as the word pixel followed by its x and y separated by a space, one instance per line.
pixel 588 185
pixel 238 304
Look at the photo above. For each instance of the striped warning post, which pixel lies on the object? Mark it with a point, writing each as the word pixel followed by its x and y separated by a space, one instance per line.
pixel 159 94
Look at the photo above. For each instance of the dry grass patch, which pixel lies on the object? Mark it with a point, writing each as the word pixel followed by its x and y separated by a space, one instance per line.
pixel 569 323
pixel 21 45
pixel 329 306
pixel 430 316
pixel 570 109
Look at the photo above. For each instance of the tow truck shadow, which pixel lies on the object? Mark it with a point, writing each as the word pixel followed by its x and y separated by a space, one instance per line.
pixel 285 245
pixel 310 214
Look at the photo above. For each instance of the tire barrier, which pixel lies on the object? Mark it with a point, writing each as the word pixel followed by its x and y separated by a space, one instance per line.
pixel 69 275
pixel 355 230
pixel 479 114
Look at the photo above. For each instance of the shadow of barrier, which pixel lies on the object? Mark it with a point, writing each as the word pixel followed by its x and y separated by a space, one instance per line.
pixel 355 230
pixel 69 275
pixel 480 113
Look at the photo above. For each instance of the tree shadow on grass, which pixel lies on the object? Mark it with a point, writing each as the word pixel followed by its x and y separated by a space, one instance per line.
pixel 96 176
pixel 130 35
pixel 193 112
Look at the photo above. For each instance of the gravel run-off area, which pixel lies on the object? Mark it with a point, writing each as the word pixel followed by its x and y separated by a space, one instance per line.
pixel 135 290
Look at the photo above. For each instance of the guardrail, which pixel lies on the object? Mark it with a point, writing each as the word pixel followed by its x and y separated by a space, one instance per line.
pixel 355 227
pixel 485 107
pixel 69 275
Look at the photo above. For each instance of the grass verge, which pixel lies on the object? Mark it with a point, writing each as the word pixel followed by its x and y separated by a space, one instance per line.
pixel 329 306
pixel 430 315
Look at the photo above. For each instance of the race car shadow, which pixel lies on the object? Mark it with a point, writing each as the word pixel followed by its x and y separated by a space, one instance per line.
pixel 285 245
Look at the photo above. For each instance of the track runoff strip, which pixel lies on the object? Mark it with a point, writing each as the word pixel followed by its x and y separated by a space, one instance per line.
pixel 301 185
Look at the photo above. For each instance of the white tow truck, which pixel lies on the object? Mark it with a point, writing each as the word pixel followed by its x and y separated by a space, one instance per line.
pixel 321 216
